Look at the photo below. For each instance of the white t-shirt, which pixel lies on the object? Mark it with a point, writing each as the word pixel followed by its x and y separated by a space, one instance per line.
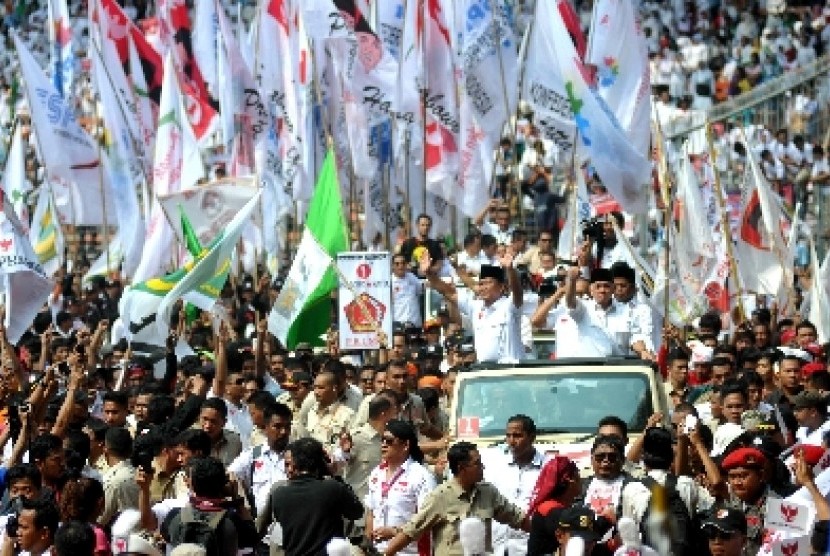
pixel 405 296
pixel 394 501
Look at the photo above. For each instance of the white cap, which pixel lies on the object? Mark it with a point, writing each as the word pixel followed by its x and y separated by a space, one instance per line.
pixel 700 352
pixel 188 549
pixel 724 436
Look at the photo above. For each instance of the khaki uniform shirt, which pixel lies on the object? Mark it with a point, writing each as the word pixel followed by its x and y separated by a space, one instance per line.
pixel 326 424
pixel 448 505
pixel 163 485
pixel 228 447
pixel 364 456
pixel 120 491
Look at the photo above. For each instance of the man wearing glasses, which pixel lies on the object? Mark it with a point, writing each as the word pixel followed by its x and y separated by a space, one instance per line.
pixel 406 291
pixel 725 530
pixel 466 495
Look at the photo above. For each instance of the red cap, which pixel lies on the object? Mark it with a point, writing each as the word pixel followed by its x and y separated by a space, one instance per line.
pixel 814 350
pixel 744 457
pixel 815 367
pixel 787 336
pixel 811 454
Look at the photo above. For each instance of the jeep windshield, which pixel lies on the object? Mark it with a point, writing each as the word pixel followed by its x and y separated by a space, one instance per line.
pixel 571 403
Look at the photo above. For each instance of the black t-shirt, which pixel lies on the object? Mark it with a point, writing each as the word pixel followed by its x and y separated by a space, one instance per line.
pixel 543 533
pixel 408 250
pixel 311 512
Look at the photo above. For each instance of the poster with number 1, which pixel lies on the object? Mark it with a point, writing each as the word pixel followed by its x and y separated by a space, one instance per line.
pixel 364 299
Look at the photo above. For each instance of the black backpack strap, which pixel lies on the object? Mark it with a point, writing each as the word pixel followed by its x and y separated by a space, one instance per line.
pixel 249 489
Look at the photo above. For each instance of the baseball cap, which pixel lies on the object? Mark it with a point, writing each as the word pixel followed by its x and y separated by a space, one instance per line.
pixel 579 521
pixel 727 520
pixel 808 399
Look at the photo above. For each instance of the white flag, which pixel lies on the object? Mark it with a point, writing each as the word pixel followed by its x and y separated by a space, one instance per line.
pixel 27 286
pixel 177 166
pixel 618 50
pixel 15 184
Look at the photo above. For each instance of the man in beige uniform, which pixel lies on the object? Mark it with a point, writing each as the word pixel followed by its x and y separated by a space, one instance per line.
pixel 466 495
pixel 120 488
pixel 328 417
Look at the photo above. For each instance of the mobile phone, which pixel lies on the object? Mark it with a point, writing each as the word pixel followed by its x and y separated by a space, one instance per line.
pixel 690 424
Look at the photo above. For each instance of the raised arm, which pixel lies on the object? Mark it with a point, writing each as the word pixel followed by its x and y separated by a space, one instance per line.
pixel 516 292
pixel 428 269
pixel 221 377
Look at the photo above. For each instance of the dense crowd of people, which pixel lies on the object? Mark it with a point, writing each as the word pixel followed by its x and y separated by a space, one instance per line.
pixel 226 442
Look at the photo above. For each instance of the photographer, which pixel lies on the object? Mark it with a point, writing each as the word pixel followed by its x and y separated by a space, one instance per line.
pixel 600 237
pixel 312 506
pixel 214 517
pixel 36 526
pixel 24 484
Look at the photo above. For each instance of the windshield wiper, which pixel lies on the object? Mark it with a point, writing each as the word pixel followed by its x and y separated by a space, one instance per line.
pixel 552 431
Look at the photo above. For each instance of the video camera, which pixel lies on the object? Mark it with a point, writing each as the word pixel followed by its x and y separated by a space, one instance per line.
pixel 593 228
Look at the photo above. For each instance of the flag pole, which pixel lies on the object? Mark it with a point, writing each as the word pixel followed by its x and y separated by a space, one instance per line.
pixel 727 232
pixel 102 189
pixel 574 193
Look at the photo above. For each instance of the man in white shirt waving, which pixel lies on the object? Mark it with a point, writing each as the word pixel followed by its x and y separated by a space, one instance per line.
pixel 496 319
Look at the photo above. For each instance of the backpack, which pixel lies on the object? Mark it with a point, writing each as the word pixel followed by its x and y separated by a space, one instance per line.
pixel 685 537
pixel 195 526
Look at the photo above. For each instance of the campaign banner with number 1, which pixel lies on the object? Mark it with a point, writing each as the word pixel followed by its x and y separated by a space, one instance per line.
pixel 365 299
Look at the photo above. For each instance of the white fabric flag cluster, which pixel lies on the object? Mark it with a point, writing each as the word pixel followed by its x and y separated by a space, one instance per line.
pixel 66 150
pixel 60 37
pixel 619 51
pixel 177 166
pixel 26 284
pixel 569 113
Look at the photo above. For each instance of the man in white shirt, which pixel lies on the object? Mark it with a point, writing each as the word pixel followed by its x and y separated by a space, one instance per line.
pixel 496 319
pixel 470 256
pixel 258 468
pixel 500 227
pixel 406 292
pixel 639 313
pixel 603 327
pixel 810 409
pixel 514 469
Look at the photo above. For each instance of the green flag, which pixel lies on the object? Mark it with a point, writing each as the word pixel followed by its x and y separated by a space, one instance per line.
pixel 302 311
pixel 191 240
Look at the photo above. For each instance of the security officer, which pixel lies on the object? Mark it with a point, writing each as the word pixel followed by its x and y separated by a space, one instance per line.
pixel 496 319
pixel 466 495
pixel 328 417
pixel 748 491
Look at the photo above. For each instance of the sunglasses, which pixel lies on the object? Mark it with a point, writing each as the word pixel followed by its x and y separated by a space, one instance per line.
pixel 611 457
pixel 386 440
pixel 713 533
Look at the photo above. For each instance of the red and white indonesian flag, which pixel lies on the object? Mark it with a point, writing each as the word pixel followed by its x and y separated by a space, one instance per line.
pixel 619 52
pixel 760 246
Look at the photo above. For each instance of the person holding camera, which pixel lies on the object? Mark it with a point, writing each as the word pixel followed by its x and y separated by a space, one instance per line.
pixel 23 483
pixel 37 523
pixel 312 506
